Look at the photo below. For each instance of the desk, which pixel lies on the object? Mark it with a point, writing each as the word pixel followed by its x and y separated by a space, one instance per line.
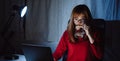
pixel 21 58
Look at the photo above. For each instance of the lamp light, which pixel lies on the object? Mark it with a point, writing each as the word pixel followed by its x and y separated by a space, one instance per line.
pixel 23 11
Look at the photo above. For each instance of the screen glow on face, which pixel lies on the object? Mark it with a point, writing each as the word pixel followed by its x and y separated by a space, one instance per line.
pixel 79 20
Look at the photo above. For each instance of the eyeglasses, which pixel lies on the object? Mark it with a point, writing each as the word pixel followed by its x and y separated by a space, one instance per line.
pixel 81 20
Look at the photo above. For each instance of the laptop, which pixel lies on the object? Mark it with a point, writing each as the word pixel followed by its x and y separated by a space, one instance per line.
pixel 37 53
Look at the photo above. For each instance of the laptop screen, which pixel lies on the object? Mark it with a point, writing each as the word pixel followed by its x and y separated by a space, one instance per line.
pixel 37 53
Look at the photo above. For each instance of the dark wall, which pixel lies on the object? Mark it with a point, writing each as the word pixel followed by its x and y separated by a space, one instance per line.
pixel 112 41
pixel 11 31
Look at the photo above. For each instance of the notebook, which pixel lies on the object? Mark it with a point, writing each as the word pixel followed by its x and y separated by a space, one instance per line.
pixel 37 53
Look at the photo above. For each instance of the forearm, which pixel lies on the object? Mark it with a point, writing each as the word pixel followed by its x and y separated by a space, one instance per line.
pixel 90 38
pixel 95 45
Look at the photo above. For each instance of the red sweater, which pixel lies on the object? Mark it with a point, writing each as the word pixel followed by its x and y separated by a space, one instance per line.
pixel 80 51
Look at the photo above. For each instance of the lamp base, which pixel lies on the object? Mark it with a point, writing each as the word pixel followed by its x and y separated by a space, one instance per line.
pixel 10 57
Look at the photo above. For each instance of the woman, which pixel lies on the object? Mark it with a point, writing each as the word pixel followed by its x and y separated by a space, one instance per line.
pixel 80 39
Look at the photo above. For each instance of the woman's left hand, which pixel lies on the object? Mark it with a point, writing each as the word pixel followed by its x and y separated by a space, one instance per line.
pixel 86 28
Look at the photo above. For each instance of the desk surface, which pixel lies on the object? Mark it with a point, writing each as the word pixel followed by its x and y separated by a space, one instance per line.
pixel 21 58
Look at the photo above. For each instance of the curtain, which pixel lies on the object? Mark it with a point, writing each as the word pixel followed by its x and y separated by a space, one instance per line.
pixel 47 19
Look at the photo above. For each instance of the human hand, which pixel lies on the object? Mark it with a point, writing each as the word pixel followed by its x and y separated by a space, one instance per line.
pixel 54 59
pixel 88 33
pixel 86 29
pixel 78 27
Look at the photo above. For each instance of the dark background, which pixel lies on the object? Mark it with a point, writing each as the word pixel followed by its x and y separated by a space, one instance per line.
pixel 46 20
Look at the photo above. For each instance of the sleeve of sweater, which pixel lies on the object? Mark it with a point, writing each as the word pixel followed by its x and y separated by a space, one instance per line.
pixel 61 47
pixel 97 46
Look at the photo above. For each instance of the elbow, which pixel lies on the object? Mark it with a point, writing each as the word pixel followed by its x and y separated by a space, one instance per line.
pixel 99 56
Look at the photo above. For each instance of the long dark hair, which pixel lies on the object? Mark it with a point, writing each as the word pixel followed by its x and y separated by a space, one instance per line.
pixel 79 9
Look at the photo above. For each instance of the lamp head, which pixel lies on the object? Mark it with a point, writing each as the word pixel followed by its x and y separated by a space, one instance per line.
pixel 21 10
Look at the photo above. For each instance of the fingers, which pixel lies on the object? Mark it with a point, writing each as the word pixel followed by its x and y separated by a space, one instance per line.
pixel 85 27
pixel 78 27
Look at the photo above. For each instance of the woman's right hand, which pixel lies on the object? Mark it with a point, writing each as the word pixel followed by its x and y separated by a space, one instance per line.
pixel 78 27
pixel 54 59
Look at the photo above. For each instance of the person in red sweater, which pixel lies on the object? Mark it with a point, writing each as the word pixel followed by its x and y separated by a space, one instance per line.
pixel 80 39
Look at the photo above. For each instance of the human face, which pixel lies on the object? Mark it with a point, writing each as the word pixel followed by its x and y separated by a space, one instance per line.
pixel 79 20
